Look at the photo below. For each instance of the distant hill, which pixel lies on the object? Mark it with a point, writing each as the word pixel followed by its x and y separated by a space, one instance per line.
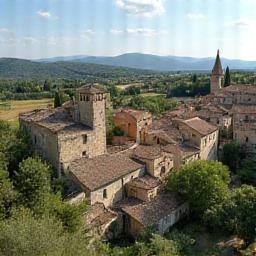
pixel 26 69
pixel 159 63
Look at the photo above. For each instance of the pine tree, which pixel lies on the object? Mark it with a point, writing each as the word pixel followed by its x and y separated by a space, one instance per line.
pixel 227 79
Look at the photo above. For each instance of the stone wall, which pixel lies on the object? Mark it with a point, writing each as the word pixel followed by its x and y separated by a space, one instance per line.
pixel 115 191
pixel 44 142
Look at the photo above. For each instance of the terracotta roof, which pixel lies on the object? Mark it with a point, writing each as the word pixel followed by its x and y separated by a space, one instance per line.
pixel 244 109
pixel 245 88
pixel 146 182
pixel 182 149
pixel 137 114
pixel 91 89
pixel 199 125
pixel 97 215
pixel 217 69
pixel 54 119
pixel 99 171
pixel 150 213
pixel 147 152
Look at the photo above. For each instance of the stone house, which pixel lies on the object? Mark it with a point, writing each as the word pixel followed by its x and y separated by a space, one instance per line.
pixel 201 134
pixel 244 126
pixel 158 161
pixel 134 123
pixel 160 213
pixel 80 127
pixel 103 178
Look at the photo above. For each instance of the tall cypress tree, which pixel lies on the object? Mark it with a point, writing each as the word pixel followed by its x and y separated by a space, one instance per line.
pixel 227 79
pixel 57 99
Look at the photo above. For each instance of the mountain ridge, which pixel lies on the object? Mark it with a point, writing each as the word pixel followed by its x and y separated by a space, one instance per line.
pixel 156 62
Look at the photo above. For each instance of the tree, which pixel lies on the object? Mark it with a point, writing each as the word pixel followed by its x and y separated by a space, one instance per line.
pixel 194 78
pixel 24 234
pixel 227 79
pixel 236 214
pixel 7 193
pixel 57 100
pixel 247 172
pixel 201 183
pixel 232 155
pixel 46 86
pixel 33 183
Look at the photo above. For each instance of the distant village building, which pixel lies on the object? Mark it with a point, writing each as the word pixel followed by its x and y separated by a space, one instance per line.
pixel 134 123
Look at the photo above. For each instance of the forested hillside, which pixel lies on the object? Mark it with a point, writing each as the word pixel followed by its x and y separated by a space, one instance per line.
pixel 26 69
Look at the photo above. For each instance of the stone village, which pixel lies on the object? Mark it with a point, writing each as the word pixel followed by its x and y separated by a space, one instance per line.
pixel 125 189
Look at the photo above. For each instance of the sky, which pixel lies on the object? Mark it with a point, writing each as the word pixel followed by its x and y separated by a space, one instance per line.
pixel 34 29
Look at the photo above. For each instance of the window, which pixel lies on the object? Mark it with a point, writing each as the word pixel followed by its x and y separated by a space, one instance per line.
pixel 247 139
pixel 105 195
pixel 84 153
pixel 193 135
pixel 84 139
pixel 35 139
pixel 87 98
pixel 163 170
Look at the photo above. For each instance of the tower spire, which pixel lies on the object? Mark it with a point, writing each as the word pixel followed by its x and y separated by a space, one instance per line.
pixel 217 69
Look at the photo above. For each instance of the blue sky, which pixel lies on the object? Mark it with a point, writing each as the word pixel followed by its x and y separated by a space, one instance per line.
pixel 46 28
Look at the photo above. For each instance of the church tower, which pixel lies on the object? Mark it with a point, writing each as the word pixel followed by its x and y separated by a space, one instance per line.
pixel 91 100
pixel 217 76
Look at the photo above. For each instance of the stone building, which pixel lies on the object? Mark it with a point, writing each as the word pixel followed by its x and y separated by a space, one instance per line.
pixel 76 130
pixel 134 123
pixel 244 126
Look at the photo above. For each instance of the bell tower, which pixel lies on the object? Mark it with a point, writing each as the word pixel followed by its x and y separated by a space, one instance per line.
pixel 91 100
pixel 217 76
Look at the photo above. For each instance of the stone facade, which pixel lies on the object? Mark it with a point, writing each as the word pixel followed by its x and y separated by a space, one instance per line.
pixel 134 123
pixel 79 126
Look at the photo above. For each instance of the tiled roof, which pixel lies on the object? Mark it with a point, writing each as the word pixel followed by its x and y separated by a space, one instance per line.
pixel 99 171
pixel 54 119
pixel 181 149
pixel 245 88
pixel 244 109
pixel 145 182
pixel 199 125
pixel 150 213
pixel 91 89
pixel 97 215
pixel 137 114
pixel 147 152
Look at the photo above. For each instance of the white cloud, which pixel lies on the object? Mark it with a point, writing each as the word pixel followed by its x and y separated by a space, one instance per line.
pixel 4 30
pixel 44 14
pixel 116 31
pixel 146 8
pixel 196 16
pixel 139 31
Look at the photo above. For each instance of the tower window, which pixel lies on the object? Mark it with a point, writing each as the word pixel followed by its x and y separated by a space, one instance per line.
pixel 87 98
pixel 84 139
pixel 247 139
pixel 105 194
pixel 84 153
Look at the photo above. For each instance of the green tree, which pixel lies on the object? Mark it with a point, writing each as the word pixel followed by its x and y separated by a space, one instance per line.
pixel 7 193
pixel 247 172
pixel 33 182
pixel 232 155
pixel 201 183
pixel 236 214
pixel 24 234
pixel 227 79
pixel 57 100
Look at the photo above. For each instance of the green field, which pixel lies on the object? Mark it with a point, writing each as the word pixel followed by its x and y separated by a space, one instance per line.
pixel 9 111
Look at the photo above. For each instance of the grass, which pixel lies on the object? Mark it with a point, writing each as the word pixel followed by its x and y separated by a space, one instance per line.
pixel 21 106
